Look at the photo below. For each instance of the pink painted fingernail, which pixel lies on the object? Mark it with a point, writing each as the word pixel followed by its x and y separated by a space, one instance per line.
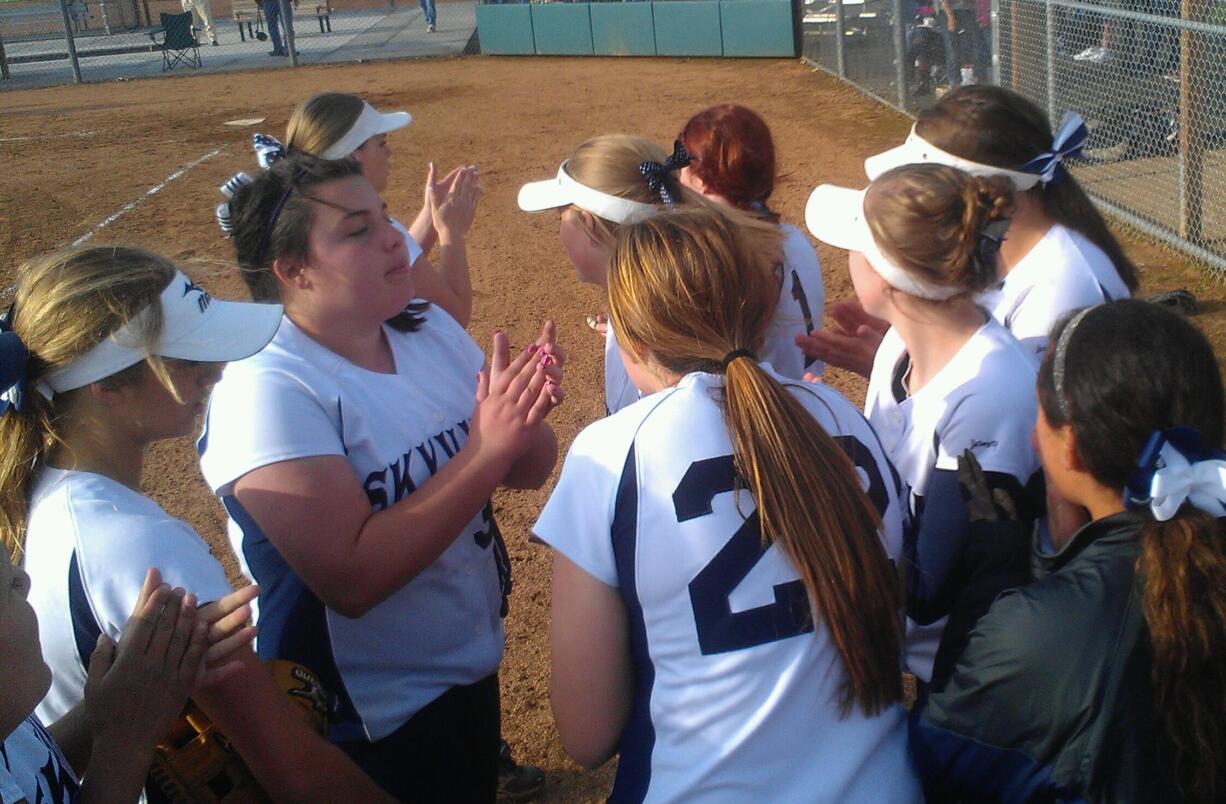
pixel 547 361
pixel 532 348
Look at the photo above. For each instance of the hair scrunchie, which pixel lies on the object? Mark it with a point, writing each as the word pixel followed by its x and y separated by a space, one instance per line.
pixel 225 217
pixel 14 367
pixel 987 246
pixel 657 175
pixel 268 150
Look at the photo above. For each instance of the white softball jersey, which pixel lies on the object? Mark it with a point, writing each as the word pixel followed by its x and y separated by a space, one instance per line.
pixel 33 769
pixel 802 301
pixel 89 543
pixel 982 400
pixel 296 399
pixel 736 694
pixel 1064 271
pixel 411 244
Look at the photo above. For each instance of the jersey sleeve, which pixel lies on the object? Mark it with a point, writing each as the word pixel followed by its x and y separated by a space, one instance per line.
pixel 996 430
pixel 1031 321
pixel 260 416
pixel 414 248
pixel 113 568
pixel 578 517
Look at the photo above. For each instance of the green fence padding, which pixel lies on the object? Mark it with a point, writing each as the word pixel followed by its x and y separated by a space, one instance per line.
pixel 757 27
pixel 688 28
pixel 562 29
pixel 623 29
pixel 506 30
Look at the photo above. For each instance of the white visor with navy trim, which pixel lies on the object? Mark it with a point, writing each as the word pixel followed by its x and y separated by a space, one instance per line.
pixel 563 190
pixel 370 123
pixel 916 150
pixel 835 215
pixel 195 326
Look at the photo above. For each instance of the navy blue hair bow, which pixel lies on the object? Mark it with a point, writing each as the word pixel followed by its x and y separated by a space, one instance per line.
pixel 268 150
pixel 1069 141
pixel 14 365
pixel 657 175
pixel 1176 467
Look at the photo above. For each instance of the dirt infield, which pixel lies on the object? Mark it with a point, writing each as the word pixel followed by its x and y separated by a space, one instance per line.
pixel 74 156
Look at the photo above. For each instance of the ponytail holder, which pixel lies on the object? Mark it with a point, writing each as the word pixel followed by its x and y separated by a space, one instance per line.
pixel 988 246
pixel 1069 141
pixel 657 175
pixel 1174 468
pixel 224 215
pixel 734 354
pixel 14 365
pixel 268 150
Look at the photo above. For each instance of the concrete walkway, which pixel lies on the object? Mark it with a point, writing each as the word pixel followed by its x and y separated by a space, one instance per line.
pixel 356 35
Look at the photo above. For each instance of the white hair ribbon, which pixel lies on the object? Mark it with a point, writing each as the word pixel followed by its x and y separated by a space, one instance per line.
pixel 1173 469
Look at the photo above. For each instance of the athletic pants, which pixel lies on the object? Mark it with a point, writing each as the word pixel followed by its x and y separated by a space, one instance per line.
pixel 448 751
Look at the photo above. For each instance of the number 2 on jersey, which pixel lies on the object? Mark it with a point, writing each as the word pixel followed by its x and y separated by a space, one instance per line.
pixel 720 629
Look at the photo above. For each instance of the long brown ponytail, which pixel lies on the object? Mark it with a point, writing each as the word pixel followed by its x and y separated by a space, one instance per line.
pixel 688 286
pixel 1131 368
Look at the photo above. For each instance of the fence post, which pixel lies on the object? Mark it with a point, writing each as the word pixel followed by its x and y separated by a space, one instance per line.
pixel 106 16
pixel 1049 57
pixel 1191 126
pixel 900 54
pixel 4 61
pixel 840 62
pixel 994 40
pixel 287 23
pixel 72 45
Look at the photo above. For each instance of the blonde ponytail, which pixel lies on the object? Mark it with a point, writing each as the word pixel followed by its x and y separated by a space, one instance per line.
pixel 66 304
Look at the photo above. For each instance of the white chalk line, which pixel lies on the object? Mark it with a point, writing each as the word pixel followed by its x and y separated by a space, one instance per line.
pixel 128 207
pixel 49 136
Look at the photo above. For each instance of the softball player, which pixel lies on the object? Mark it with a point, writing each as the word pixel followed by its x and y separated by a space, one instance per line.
pixel 733 162
pixel 357 476
pixel 101 391
pixel 337 125
pixel 706 624
pixel 1059 254
pixel 612 181
pixel 947 377
pixel 135 689
pixel 1120 637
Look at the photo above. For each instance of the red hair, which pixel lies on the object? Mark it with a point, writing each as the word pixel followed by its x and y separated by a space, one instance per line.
pixel 734 154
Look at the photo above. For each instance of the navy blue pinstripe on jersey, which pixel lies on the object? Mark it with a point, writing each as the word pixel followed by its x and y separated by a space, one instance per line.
pixel 85 628
pixel 638 740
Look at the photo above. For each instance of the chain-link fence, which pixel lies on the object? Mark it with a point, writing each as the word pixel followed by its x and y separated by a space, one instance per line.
pixel 1149 76
pixel 45 42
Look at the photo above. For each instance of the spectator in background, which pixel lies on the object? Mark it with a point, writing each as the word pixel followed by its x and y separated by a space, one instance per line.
pixel 202 12
pixel 431 14
pixel 272 14
pixel 966 51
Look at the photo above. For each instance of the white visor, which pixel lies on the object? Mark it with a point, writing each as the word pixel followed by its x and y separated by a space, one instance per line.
pixel 562 191
pixel 195 326
pixel 916 150
pixel 368 124
pixel 835 215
